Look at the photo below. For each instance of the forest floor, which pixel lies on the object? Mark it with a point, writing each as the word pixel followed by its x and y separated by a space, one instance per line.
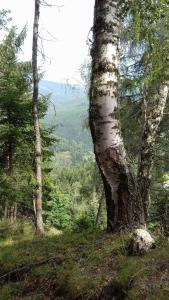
pixel 86 265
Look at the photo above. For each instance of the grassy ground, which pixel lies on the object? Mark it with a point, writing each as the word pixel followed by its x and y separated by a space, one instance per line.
pixel 87 265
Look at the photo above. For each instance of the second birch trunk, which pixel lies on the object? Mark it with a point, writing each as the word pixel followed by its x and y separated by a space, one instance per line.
pixel 152 113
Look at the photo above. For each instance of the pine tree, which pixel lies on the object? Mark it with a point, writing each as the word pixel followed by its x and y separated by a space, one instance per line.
pixel 15 120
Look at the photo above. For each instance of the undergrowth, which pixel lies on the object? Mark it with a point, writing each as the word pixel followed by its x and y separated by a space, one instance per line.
pixel 82 265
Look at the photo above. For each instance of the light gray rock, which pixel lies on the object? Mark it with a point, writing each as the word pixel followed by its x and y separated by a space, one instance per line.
pixel 141 242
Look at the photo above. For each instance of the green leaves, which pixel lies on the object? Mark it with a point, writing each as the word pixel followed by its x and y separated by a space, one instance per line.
pixel 146 31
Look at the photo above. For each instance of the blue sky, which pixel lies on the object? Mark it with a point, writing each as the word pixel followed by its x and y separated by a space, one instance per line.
pixel 65 47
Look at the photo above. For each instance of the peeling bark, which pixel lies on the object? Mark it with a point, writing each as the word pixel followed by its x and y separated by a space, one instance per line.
pixel 124 207
pixel 38 151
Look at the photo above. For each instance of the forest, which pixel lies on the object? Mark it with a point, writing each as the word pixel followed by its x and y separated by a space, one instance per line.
pixel 84 167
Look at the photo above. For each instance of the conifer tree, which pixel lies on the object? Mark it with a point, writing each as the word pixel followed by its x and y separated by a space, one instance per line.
pixel 15 120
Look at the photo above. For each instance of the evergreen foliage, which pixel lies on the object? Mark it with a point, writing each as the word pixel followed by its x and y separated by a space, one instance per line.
pixel 16 128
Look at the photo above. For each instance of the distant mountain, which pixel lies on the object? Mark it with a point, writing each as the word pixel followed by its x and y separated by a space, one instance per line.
pixel 68 111
pixel 61 92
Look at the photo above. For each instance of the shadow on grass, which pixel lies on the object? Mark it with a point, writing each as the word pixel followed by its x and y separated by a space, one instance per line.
pixel 85 263
pixel 90 264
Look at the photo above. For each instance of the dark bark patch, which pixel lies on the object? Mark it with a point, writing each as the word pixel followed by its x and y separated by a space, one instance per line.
pixel 113 154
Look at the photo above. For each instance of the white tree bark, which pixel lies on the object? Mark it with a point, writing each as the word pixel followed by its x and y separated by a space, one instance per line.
pixel 124 209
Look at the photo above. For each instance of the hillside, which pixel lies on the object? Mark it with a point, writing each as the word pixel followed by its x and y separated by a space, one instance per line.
pixel 83 266
pixel 68 111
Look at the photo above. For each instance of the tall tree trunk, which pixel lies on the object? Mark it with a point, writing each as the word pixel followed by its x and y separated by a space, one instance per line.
pixel 124 207
pixel 152 114
pixel 38 154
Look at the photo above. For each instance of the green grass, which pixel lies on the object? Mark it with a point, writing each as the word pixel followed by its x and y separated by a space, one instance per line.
pixel 89 261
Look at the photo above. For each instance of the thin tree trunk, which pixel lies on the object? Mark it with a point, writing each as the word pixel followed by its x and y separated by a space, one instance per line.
pixel 124 207
pixel 5 211
pixel 166 220
pixel 152 114
pixel 15 212
pixel 34 206
pixel 38 154
pixel 99 212
pixel 94 197
pixel 10 212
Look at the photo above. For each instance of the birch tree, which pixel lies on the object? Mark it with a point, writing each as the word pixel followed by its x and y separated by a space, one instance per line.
pixel 127 198
pixel 124 208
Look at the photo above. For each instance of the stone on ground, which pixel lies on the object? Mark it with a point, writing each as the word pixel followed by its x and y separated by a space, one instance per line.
pixel 141 242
